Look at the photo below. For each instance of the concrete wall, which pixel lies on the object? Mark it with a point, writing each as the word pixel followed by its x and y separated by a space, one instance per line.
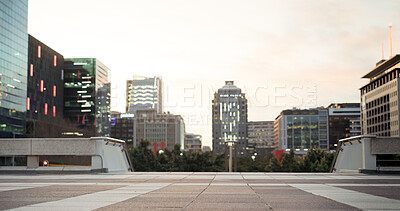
pixel 47 146
pixel 385 145
pixel 105 153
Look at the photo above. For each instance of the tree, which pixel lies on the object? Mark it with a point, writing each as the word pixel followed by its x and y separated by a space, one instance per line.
pixel 290 163
pixel 317 160
pixel 143 158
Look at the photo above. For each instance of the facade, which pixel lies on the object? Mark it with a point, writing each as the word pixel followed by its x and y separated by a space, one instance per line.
pixel 379 99
pixel 192 142
pixel 301 130
pixel 87 95
pixel 261 137
pixel 229 114
pixel 344 121
pixel 163 130
pixel 144 93
pixel 13 62
pixel 45 103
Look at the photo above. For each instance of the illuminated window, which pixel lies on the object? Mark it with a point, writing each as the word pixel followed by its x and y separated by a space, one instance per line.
pixel 31 70
pixel 39 51
pixel 41 85
pixel 45 109
pixel 54 90
pixel 28 103
pixel 55 61
pixel 54 111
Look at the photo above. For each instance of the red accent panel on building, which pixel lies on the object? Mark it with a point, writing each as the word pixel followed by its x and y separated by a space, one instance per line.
pixel 45 109
pixel 83 119
pixel 31 70
pixel 54 90
pixel 28 103
pixel 155 147
pixel 162 145
pixel 278 154
pixel 39 51
pixel 54 111
pixel 78 119
pixel 79 74
pixel 55 61
pixel 41 85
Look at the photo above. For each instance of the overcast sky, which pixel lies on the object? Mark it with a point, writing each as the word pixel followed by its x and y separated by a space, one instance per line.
pixel 282 54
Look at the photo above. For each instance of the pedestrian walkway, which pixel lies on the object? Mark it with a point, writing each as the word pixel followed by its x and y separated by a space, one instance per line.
pixel 200 191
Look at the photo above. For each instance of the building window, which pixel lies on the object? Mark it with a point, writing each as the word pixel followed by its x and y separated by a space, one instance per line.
pixel 41 85
pixel 55 60
pixel 54 111
pixel 54 90
pixel 45 109
pixel 28 103
pixel 39 51
pixel 31 70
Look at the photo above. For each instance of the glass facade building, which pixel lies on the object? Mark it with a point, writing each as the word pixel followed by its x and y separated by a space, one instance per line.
pixel 302 130
pixel 13 63
pixel 87 95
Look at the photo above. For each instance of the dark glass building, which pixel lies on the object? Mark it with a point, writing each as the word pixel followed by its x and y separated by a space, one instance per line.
pixel 344 122
pixel 229 114
pixel 13 62
pixel 87 95
pixel 44 104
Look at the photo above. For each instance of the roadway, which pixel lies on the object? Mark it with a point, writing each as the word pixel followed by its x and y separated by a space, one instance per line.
pixel 200 191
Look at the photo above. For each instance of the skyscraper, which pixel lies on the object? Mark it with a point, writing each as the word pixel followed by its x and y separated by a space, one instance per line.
pixel 45 103
pixel 380 99
pixel 87 95
pixel 229 114
pixel 13 63
pixel 144 93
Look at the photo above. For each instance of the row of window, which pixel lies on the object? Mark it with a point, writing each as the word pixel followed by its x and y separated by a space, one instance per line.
pixel 381 81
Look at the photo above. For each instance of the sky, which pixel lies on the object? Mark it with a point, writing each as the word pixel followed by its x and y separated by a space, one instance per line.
pixel 282 54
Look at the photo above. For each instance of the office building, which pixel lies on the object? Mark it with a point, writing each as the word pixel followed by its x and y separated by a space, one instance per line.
pixel 192 142
pixel 229 115
pixel 344 121
pixel 13 63
pixel 379 99
pixel 163 131
pixel 144 93
pixel 260 137
pixel 45 102
pixel 87 95
pixel 302 130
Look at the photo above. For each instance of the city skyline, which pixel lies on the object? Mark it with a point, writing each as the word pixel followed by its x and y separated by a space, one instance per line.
pixel 298 49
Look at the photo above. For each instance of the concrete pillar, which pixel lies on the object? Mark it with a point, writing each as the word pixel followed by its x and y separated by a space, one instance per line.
pixel 32 161
pixel 368 160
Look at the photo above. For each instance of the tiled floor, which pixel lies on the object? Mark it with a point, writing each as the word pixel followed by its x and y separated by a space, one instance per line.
pixel 200 191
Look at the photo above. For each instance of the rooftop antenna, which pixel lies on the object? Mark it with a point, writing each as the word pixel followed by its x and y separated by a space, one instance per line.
pixel 390 31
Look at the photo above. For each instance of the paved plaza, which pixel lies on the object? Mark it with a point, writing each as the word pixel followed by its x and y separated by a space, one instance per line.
pixel 200 191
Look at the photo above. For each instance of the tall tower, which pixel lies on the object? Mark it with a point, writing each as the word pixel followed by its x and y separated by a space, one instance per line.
pixel 13 64
pixel 144 93
pixel 229 114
